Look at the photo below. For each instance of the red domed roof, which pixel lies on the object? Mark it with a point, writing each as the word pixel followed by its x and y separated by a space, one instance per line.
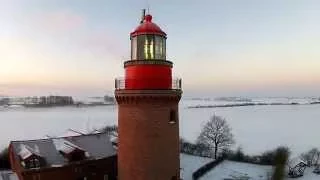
pixel 148 27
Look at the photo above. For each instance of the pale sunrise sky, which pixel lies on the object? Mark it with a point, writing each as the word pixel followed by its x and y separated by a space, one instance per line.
pixel 219 47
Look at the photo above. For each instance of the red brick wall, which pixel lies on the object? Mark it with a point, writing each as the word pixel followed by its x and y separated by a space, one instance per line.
pixel 148 144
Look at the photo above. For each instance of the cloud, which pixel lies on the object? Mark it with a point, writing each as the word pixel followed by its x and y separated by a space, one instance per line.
pixel 30 67
pixel 67 30
pixel 37 89
pixel 55 22
pixel 103 41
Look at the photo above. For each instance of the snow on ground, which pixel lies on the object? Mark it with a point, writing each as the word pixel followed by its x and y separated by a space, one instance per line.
pixel 192 102
pixel 245 171
pixel 189 164
pixel 8 175
pixel 251 125
pixel 308 175
pixel 238 171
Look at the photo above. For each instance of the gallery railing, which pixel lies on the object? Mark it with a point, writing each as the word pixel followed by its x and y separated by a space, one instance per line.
pixel 151 84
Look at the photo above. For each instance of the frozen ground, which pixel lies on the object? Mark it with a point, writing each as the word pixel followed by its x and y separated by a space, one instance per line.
pixel 243 171
pixel 231 170
pixel 8 175
pixel 259 128
pixel 34 123
pixel 256 128
pixel 192 102
pixel 308 175
pixel 238 171
pixel 189 164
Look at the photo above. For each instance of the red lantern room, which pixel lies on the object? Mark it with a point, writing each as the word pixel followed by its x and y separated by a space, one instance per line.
pixel 148 67
pixel 148 41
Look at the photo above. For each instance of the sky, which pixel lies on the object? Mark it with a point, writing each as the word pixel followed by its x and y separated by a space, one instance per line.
pixel 219 48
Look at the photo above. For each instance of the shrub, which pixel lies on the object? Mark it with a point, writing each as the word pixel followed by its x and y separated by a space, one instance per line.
pixel 266 158
pixel 311 157
pixel 280 160
pixel 4 159
pixel 194 149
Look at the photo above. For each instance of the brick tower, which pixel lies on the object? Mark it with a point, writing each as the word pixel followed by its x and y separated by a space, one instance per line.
pixel 148 99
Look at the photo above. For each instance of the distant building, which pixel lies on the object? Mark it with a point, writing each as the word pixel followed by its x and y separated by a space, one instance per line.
pixel 56 100
pixel 4 101
pixel 31 100
pixel 43 100
pixel 81 157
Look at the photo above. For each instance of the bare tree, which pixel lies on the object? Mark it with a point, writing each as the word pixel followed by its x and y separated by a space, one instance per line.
pixel 216 134
pixel 311 157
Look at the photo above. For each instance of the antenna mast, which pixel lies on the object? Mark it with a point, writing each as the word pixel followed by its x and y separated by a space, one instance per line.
pixel 143 15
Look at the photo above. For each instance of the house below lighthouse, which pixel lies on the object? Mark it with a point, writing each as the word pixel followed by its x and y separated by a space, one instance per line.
pixel 148 118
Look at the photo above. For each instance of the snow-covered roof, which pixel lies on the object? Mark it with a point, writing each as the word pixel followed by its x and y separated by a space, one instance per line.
pixel 65 146
pixel 71 132
pixel 95 131
pixel 114 139
pixel 26 151
pixel 98 146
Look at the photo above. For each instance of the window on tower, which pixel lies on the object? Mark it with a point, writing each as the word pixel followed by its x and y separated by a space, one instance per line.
pixel 160 50
pixel 148 47
pixel 173 117
pixel 134 48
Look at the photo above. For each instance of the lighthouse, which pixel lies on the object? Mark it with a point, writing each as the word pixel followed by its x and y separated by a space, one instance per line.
pixel 148 119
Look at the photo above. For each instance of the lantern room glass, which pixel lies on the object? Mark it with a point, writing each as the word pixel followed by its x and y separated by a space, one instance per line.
pixel 148 47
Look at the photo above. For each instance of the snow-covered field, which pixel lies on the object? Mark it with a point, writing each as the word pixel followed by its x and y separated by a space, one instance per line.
pixel 190 164
pixel 238 171
pixel 193 102
pixel 308 175
pixel 232 170
pixel 29 123
pixel 244 171
pixel 256 128
pixel 7 175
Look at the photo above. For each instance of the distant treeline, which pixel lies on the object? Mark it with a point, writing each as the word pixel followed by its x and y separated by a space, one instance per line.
pixel 252 104
pixel 38 101
pixel 266 158
pixel 108 98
